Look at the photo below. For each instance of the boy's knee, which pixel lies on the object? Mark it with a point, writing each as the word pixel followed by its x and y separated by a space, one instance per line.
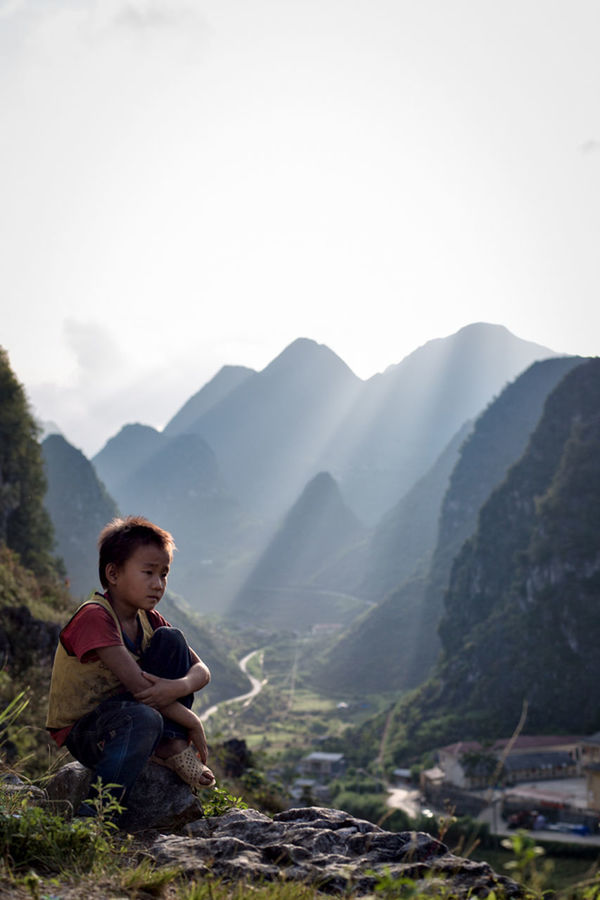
pixel 168 640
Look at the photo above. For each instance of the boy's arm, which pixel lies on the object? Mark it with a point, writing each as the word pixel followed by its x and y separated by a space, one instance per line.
pixel 158 691
pixel 122 664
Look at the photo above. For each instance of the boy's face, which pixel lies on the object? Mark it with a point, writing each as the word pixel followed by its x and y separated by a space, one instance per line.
pixel 141 581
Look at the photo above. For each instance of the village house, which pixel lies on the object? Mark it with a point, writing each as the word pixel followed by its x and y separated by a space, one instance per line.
pixel 472 766
pixel 322 766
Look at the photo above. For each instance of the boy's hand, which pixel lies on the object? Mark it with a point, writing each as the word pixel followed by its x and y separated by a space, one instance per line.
pixel 160 691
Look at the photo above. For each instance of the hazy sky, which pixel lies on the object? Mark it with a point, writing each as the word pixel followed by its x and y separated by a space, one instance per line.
pixel 188 183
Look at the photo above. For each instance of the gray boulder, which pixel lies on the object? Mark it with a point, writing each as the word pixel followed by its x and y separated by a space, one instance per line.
pixel 159 801
pixel 327 848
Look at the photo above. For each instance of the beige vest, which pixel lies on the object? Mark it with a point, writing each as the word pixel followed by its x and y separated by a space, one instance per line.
pixel 76 687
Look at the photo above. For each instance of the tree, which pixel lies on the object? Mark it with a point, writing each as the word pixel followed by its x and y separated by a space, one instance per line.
pixel 25 526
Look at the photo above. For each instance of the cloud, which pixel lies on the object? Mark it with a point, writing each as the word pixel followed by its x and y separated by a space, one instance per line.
pixel 591 146
pixel 152 14
pixel 95 349
pixel 10 8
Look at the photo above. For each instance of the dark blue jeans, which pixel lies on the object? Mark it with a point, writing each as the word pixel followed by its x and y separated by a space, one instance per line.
pixel 118 737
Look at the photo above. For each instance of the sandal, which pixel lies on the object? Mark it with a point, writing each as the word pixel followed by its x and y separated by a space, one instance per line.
pixel 189 767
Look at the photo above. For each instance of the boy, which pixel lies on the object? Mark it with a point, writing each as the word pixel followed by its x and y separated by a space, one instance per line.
pixel 123 680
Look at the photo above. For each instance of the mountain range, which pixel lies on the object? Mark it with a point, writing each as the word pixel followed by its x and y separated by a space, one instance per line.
pixel 519 633
pixel 397 639
pixel 231 463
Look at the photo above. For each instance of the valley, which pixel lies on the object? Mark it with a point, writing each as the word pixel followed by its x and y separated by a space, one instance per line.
pixel 367 632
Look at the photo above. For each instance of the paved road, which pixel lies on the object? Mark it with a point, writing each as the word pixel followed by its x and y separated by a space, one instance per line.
pixel 247 698
pixel 498 826
pixel 406 799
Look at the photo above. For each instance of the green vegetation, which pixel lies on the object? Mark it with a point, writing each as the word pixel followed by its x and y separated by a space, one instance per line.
pixel 24 523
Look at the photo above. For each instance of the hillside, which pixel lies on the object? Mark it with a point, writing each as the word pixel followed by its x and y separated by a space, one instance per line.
pixel 398 638
pixel 269 431
pixel 284 588
pixel 124 453
pixel 24 522
pixel 402 419
pixel 79 506
pixel 521 617
pixel 403 541
pixel 224 382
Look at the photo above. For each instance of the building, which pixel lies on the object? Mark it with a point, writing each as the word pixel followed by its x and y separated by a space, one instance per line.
pixel 472 766
pixel 322 766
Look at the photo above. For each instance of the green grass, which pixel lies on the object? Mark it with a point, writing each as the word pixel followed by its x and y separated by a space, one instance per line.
pixel 564 871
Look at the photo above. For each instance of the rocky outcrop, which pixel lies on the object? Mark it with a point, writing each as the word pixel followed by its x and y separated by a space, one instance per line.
pixel 326 848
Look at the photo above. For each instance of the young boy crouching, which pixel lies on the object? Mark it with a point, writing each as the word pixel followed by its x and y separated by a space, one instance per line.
pixel 123 679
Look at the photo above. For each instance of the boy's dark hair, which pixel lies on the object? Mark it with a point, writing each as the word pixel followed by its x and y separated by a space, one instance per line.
pixel 120 539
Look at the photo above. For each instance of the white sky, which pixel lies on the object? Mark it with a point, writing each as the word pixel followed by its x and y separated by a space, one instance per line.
pixel 188 183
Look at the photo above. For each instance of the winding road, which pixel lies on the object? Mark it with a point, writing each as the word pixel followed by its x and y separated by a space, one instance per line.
pixel 247 698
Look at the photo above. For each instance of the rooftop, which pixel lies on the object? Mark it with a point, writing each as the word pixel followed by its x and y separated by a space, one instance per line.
pixel 318 756
pixel 523 743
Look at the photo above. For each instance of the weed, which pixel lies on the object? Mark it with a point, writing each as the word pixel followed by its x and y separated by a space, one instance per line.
pixel 524 865
pixel 219 801
pixel 147 878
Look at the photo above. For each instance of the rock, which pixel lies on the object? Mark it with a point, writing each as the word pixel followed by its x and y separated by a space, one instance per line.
pixel 236 757
pixel 70 784
pixel 12 786
pixel 160 800
pixel 327 848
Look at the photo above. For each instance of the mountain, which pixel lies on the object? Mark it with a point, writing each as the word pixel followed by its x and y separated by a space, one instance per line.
pixel 179 486
pixel 498 441
pixel 404 540
pixel 521 627
pixel 225 381
pixel 402 419
pixel 79 507
pixel 271 432
pixel 268 432
pixel 398 637
pixel 124 453
pixel 284 589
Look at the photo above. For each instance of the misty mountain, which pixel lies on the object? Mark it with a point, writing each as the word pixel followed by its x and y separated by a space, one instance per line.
pixel 398 638
pixel 79 507
pixel 284 589
pixel 124 453
pixel 404 540
pixel 225 381
pixel 268 433
pixel 521 621
pixel 403 418
pixel 180 486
